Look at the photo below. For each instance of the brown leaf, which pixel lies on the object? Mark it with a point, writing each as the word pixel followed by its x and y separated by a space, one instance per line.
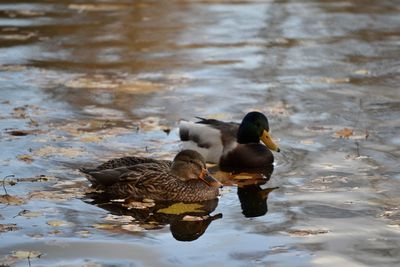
pixel 11 200
pixel 344 133
pixel 8 227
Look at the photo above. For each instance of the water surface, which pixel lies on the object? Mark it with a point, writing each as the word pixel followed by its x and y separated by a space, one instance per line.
pixel 86 82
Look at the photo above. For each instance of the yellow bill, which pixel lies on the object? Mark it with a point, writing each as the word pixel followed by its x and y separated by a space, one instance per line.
pixel 267 140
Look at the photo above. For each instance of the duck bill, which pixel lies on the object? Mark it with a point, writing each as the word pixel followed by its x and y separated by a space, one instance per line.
pixel 267 140
pixel 208 179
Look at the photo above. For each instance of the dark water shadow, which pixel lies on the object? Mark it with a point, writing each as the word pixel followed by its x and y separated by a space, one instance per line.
pixel 187 221
pixel 251 193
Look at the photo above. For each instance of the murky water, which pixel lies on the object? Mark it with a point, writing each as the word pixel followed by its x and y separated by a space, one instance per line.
pixel 82 83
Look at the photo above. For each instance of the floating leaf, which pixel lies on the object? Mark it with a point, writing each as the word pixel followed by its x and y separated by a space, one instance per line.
pixel 63 151
pixel 30 214
pixel 181 208
pixel 121 218
pixel 103 226
pixel 132 227
pixel 11 200
pixel 344 133
pixel 8 227
pixel 26 158
pixel 57 223
pixel 307 232
pixel 84 233
pixel 25 254
pixel 138 205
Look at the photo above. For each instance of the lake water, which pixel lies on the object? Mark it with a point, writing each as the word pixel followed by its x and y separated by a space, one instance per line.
pixel 83 82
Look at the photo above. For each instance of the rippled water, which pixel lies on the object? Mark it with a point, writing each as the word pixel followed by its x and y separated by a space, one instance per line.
pixel 84 82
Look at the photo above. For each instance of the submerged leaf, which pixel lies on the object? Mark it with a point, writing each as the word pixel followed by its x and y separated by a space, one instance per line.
pixel 30 214
pixel 181 208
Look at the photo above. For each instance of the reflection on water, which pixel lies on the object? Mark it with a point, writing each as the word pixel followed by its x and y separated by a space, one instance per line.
pixel 85 82
pixel 187 222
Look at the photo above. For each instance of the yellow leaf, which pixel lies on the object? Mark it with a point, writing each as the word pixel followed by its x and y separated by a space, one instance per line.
pixel 103 226
pixel 57 223
pixel 26 158
pixel 30 214
pixel 24 254
pixel 181 208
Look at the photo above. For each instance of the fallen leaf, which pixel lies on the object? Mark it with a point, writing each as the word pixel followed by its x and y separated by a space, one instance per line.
pixel 120 219
pixel 103 226
pixel 138 205
pixel 29 214
pixel 11 200
pixel 57 223
pixel 181 208
pixel 84 233
pixel 132 228
pixel 26 158
pixel 344 133
pixel 63 151
pixel 8 227
pixel 307 232
pixel 24 254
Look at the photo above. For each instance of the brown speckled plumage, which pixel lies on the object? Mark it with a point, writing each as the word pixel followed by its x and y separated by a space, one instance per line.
pixel 148 178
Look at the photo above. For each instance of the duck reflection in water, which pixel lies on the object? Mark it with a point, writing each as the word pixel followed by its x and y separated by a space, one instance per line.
pixel 252 196
pixel 188 221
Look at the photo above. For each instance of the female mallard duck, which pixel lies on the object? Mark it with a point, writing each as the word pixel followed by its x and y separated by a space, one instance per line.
pixel 184 179
pixel 231 145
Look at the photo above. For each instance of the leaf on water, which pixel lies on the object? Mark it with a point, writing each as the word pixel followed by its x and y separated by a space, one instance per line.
pixel 29 214
pixel 60 151
pixel 26 158
pixel 97 7
pixel 138 205
pixel 119 218
pixel 57 223
pixel 84 233
pixel 362 72
pixel 181 208
pixel 91 138
pixel 8 227
pixel 54 195
pixel 103 226
pixel 25 254
pixel 307 232
pixel 307 142
pixel 344 133
pixel 11 200
pixel 132 228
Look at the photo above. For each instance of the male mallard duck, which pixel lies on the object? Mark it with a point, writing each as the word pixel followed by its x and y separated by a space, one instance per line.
pixel 184 179
pixel 232 145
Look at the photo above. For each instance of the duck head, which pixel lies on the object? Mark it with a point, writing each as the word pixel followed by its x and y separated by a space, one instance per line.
pixel 255 127
pixel 190 165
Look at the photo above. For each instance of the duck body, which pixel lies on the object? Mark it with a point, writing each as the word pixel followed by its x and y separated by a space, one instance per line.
pixel 231 145
pixel 178 180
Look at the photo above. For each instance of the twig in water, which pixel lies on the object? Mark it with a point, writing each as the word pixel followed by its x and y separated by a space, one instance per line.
pixel 4 182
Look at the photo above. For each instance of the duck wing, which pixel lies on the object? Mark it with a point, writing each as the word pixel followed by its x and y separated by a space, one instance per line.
pixel 111 176
pixel 209 137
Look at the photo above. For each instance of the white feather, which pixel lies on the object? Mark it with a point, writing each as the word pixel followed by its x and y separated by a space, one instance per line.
pixel 206 135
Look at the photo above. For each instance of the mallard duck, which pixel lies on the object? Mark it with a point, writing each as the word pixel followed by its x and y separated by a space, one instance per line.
pixel 231 145
pixel 184 179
